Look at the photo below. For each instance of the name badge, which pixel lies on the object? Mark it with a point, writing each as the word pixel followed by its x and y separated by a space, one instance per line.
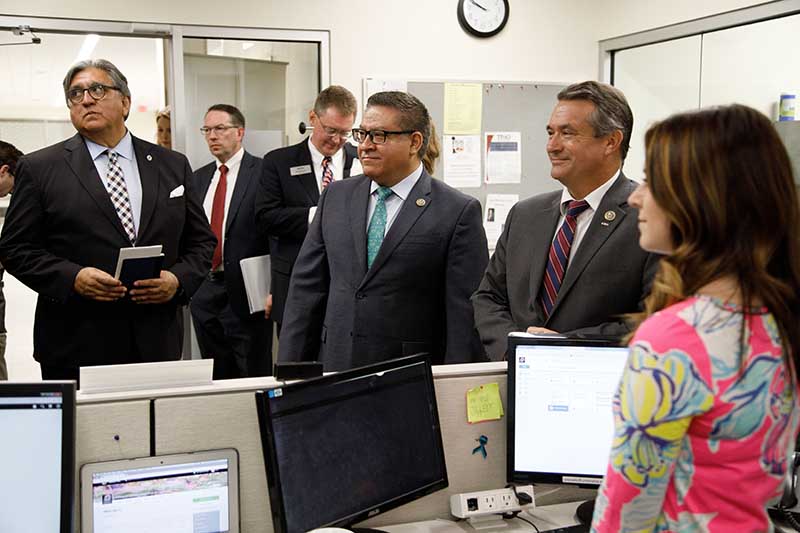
pixel 299 171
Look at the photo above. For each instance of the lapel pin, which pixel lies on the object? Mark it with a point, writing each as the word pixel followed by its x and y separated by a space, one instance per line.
pixel 421 202
pixel 609 215
pixel 149 157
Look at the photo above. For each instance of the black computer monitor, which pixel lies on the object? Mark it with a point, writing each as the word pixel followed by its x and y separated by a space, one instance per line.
pixel 37 456
pixel 560 419
pixel 348 446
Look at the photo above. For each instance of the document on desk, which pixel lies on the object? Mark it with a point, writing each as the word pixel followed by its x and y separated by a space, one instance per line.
pixel 256 277
pixel 138 262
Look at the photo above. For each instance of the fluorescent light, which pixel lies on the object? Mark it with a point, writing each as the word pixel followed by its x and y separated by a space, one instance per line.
pixel 89 43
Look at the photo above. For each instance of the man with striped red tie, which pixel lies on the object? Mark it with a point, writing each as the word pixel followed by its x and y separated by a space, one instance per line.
pixel 569 261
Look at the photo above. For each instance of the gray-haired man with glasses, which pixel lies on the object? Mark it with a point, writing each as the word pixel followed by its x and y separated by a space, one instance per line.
pixel 391 257
pixel 78 202
pixel 293 179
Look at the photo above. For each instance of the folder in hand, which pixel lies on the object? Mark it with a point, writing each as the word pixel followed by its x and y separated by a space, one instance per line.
pixel 256 277
pixel 140 262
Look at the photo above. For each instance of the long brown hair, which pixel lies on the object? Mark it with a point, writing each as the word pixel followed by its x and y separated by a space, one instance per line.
pixel 724 179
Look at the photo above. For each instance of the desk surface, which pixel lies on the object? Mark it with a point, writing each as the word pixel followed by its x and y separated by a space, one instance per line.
pixel 546 517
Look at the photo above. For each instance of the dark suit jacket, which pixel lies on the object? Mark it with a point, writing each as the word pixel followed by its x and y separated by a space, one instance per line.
pixel 61 219
pixel 282 206
pixel 610 275
pixel 241 239
pixel 414 298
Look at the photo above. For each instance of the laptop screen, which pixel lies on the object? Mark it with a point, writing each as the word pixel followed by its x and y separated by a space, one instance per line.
pixel 36 456
pixel 561 421
pixel 190 497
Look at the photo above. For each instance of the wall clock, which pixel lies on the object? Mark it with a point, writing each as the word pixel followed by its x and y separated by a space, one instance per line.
pixel 483 18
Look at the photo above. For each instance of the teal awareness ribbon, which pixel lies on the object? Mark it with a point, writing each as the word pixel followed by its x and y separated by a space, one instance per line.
pixel 482 440
pixel 377 225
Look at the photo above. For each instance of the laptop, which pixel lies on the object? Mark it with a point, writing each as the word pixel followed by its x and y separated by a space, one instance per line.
pixel 195 492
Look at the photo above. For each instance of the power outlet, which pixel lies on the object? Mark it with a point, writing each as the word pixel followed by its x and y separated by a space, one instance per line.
pixel 472 504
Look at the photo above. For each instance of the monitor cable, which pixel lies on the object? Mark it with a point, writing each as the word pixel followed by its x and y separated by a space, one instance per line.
pixel 523 499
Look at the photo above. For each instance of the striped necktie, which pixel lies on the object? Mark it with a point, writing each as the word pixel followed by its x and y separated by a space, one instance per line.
pixel 327 171
pixel 559 256
pixel 377 225
pixel 118 192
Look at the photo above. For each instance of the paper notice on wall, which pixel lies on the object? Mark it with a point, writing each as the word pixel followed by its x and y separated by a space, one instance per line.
pixel 463 104
pixel 462 160
pixel 503 151
pixel 495 215
pixel 378 85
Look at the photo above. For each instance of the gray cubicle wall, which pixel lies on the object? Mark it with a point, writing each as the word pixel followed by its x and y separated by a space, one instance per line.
pixel 513 106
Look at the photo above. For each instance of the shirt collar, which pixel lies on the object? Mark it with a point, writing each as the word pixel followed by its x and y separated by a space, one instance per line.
pixel 402 189
pixel 317 157
pixel 124 147
pixel 593 198
pixel 233 161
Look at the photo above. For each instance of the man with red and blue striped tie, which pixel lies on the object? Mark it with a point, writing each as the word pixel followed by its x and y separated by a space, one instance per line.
pixel 569 261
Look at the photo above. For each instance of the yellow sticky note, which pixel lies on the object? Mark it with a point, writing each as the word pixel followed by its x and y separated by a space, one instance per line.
pixel 484 403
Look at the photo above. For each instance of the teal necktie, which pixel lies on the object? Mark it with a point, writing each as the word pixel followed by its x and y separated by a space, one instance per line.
pixel 377 225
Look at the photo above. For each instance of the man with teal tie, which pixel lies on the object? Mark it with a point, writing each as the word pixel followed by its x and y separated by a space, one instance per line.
pixel 391 257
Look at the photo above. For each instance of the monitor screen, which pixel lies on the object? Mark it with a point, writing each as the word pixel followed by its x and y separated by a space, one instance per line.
pixel 561 422
pixel 37 456
pixel 345 447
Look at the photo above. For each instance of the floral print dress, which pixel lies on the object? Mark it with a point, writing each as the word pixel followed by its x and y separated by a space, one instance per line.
pixel 703 432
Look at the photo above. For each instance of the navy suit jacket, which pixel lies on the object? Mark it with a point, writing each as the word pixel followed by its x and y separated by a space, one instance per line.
pixel 61 219
pixel 414 298
pixel 282 206
pixel 609 276
pixel 240 239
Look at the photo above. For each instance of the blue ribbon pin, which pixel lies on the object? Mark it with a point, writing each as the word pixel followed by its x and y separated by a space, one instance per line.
pixel 483 439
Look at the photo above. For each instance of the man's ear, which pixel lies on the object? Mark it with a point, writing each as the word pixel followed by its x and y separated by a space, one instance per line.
pixel 614 142
pixel 5 169
pixel 416 142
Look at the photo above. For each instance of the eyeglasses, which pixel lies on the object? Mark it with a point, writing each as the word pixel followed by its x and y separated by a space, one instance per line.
pixel 97 92
pixel 376 136
pixel 333 132
pixel 219 130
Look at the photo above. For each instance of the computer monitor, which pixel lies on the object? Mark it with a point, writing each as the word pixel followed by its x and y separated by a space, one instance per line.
pixel 560 419
pixel 348 446
pixel 37 456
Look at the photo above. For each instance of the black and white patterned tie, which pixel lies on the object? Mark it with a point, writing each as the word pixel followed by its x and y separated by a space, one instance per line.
pixel 118 192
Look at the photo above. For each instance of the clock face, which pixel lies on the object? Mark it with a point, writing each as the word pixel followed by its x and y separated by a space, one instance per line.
pixel 483 18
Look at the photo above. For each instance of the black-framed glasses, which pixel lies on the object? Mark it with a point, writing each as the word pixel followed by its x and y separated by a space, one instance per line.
pixel 97 91
pixel 219 130
pixel 333 132
pixel 376 136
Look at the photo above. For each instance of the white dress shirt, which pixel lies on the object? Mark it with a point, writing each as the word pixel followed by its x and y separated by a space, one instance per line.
pixel 394 201
pixel 584 219
pixel 130 171
pixel 233 164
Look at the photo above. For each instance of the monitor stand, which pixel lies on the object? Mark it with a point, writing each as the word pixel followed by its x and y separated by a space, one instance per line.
pixel 585 511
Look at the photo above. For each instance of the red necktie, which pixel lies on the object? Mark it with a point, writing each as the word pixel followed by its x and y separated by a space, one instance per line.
pixel 327 172
pixel 218 215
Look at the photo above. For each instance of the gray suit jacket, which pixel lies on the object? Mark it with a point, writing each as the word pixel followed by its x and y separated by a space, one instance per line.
pixel 610 275
pixel 414 298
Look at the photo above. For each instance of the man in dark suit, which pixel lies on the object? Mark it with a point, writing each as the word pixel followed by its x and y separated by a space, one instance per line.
pixel 78 202
pixel 293 179
pixel 569 261
pixel 239 342
pixel 391 257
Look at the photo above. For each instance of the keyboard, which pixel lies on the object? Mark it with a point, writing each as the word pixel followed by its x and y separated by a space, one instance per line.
pixel 577 528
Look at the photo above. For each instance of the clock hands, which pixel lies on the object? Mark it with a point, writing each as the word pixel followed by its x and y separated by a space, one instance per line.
pixel 477 4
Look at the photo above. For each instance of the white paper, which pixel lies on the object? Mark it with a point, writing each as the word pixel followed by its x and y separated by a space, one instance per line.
pixel 136 252
pixel 495 215
pixel 377 85
pixel 462 160
pixel 256 277
pixel 503 151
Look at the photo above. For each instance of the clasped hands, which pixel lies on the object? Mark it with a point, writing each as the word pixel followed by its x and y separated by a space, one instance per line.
pixel 97 285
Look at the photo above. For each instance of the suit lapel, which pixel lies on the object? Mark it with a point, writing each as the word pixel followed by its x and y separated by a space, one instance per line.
pixel 309 181
pixel 239 190
pixel 350 153
pixel 357 205
pixel 81 164
pixel 542 240
pixel 600 229
pixel 148 174
pixel 410 211
pixel 205 175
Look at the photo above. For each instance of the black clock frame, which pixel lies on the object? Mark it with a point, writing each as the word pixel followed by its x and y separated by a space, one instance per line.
pixel 472 31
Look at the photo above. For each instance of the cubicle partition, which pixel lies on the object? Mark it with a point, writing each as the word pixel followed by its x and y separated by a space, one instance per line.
pixel 221 415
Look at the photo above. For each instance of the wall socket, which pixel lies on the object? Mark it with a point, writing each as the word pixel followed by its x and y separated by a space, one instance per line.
pixel 487 502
